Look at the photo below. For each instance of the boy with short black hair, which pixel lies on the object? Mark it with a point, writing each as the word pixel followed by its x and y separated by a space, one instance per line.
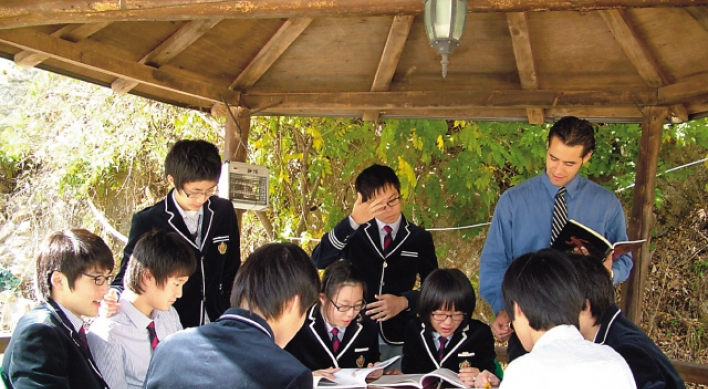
pixel 244 347
pixel 542 296
pixel 206 223
pixel 390 251
pixel 122 345
pixel 48 347
pixel 601 321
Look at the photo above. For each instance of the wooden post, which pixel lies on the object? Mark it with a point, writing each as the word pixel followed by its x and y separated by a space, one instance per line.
pixel 642 217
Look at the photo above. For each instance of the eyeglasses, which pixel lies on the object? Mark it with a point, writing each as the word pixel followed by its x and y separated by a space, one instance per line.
pixel 196 195
pixel 347 308
pixel 99 280
pixel 393 202
pixel 456 317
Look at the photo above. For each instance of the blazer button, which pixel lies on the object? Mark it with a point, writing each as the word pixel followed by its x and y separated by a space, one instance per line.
pixel 383 283
pixel 385 265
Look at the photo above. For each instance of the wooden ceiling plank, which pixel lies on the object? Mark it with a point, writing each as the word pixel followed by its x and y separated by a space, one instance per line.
pixel 25 13
pixel 169 49
pixel 521 42
pixel 637 51
pixel 94 60
pixel 276 46
pixel 71 33
pixel 395 42
pixel 700 14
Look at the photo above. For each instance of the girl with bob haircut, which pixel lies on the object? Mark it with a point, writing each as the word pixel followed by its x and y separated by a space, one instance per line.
pixel 335 335
pixel 444 334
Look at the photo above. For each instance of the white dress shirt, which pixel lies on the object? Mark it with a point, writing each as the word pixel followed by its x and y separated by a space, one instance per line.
pixel 121 345
pixel 562 359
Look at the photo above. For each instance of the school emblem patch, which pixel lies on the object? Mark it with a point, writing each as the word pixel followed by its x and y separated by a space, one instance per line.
pixel 464 364
pixel 360 361
pixel 222 248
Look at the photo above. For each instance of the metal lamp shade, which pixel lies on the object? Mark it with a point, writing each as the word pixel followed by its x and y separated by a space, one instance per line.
pixel 444 23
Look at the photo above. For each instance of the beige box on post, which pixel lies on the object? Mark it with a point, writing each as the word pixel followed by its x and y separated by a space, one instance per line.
pixel 245 185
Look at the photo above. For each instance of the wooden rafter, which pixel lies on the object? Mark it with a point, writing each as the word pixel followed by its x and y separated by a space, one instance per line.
pixel 24 13
pixel 395 42
pixel 521 41
pixel 90 59
pixel 276 46
pixel 168 49
pixel 639 54
pixel 71 33
pixel 700 14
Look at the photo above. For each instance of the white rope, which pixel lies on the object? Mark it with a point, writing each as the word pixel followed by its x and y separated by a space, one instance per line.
pixel 668 171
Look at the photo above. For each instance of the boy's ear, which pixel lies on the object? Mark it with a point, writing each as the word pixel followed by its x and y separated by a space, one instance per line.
pixel 586 158
pixel 293 305
pixel 323 298
pixel 171 179
pixel 147 277
pixel 58 281
pixel 517 311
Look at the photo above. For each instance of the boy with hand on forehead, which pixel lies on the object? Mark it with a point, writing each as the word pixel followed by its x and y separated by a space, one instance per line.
pixel 206 223
pixel 48 348
pixel 123 344
pixel 390 251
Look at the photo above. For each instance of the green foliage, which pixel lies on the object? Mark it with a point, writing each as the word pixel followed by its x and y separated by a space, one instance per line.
pixel 7 280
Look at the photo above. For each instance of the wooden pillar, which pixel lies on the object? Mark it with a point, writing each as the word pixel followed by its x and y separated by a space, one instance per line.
pixel 642 215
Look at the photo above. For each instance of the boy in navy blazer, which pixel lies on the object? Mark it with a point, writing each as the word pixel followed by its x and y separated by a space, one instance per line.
pixel 391 252
pixel 48 348
pixel 207 223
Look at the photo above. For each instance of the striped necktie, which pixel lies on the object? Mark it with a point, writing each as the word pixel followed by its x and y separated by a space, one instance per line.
pixel 335 339
pixel 441 349
pixel 154 341
pixel 560 214
pixel 387 238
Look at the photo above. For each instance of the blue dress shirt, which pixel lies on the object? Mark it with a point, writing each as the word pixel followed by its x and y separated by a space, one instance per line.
pixel 522 223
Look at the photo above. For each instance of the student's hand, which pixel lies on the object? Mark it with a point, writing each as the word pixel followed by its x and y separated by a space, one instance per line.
pixel 608 262
pixel 326 373
pixel 365 211
pixel 501 326
pixel 393 372
pixel 374 375
pixel 387 306
pixel 468 375
pixel 109 304
pixel 486 378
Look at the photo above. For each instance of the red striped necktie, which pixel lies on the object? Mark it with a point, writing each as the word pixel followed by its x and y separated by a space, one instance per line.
pixel 387 238
pixel 335 339
pixel 154 341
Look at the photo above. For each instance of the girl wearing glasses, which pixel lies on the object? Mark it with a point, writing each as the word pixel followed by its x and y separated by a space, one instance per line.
pixel 444 334
pixel 335 334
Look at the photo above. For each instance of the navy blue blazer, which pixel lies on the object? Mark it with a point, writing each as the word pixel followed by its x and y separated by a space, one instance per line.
pixel 46 352
pixel 312 345
pixel 413 255
pixel 236 351
pixel 471 347
pixel 650 367
pixel 218 255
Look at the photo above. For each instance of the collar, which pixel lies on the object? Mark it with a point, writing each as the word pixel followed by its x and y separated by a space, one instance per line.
pixel 138 318
pixel 181 211
pixel 329 327
pixel 249 318
pixel 394 226
pixel 76 322
pixel 571 188
pixel 608 319
pixel 559 333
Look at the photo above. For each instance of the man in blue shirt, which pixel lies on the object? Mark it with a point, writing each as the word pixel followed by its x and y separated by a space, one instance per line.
pixel 523 217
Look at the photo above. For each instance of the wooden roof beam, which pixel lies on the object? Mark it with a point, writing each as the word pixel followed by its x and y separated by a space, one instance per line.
pixel 71 33
pixel 521 41
pixel 639 54
pixel 700 14
pixel 24 13
pixel 167 50
pixel 95 60
pixel 276 46
pixel 395 42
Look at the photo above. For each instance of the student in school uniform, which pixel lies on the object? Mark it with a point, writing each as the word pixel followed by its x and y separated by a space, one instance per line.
pixel 48 348
pixel 335 334
pixel 444 333
pixel 206 223
pixel 122 345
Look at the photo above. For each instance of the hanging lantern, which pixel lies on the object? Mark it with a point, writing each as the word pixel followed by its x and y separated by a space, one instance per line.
pixel 444 23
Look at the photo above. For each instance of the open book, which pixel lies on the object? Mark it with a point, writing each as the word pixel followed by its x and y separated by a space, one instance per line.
pixel 352 378
pixel 575 234
pixel 447 376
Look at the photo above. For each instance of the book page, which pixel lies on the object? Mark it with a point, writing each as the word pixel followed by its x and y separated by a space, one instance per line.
pixel 352 377
pixel 446 375
pixel 399 380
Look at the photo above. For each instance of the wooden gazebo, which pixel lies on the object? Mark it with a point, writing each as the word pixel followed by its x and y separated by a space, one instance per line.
pixel 518 60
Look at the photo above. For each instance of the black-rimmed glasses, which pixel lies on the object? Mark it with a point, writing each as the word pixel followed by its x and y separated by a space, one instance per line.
pixel 346 308
pixel 393 202
pixel 456 317
pixel 99 280
pixel 196 195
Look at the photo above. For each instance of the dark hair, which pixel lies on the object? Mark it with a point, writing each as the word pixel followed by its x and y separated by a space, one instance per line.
pixel 271 276
pixel 162 252
pixel 545 286
pixel 70 252
pixel 574 132
pixel 374 179
pixel 595 284
pixel 446 288
pixel 191 161
pixel 338 274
